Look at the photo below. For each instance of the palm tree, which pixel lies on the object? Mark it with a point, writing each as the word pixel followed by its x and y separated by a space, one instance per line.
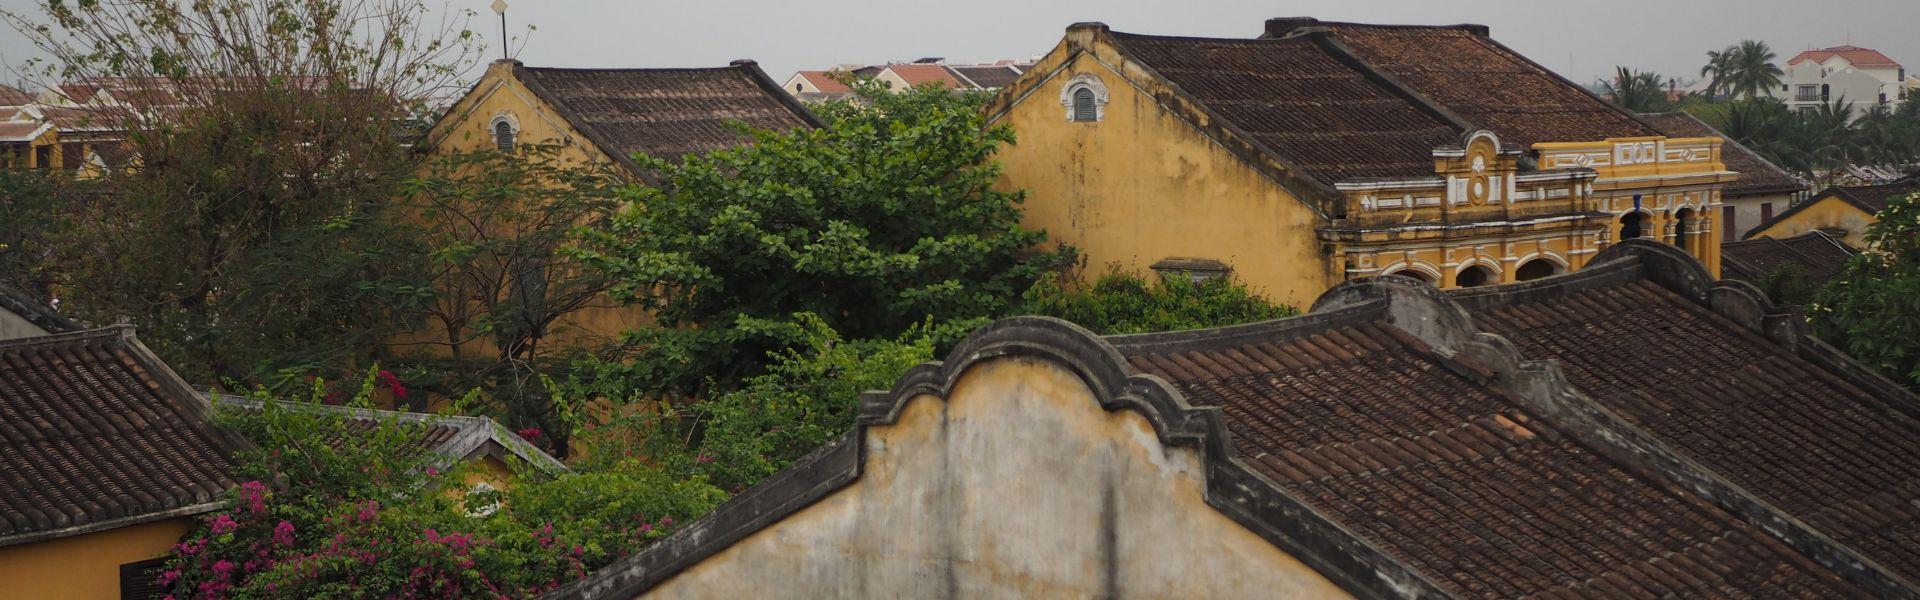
pixel 1767 126
pixel 1750 69
pixel 1638 91
pixel 1719 63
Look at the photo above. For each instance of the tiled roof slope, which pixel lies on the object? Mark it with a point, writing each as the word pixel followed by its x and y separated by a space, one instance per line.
pixel 1828 443
pixel 990 77
pixel 453 438
pixel 826 82
pixel 1488 84
pixel 922 74
pixel 666 113
pixel 1818 256
pixel 1372 427
pixel 12 96
pixel 1757 176
pixel 1874 198
pixel 1301 101
pixel 95 432
pixel 1855 55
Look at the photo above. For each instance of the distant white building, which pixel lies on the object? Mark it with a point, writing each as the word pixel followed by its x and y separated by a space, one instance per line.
pixel 1860 77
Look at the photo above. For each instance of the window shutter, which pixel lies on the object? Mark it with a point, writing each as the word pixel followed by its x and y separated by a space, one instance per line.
pixel 141 580
pixel 503 136
pixel 1083 109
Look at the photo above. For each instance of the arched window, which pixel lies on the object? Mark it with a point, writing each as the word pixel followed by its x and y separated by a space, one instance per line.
pixel 1084 110
pixel 1084 96
pixel 1474 276
pixel 1536 269
pixel 1683 223
pixel 1632 225
pixel 503 135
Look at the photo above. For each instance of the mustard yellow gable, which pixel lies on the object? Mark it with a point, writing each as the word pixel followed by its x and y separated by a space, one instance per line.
pixel 502 98
pixel 1141 184
pixel 1829 213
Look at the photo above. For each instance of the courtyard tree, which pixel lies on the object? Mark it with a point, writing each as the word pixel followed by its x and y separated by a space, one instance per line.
pixel 248 240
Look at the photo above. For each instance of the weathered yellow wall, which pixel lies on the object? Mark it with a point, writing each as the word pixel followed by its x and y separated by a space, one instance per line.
pixel 83 567
pixel 1825 213
pixel 468 127
pixel 1019 485
pixel 1142 185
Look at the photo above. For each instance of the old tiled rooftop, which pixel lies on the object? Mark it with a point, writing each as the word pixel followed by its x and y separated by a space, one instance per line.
pixel 1834 449
pixel 1303 102
pixel 666 113
pixel 1465 70
pixel 1757 176
pixel 1370 426
pixel 453 438
pixel 1816 255
pixel 95 432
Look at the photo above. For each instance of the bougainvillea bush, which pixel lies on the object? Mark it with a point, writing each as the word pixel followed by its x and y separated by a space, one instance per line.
pixel 331 510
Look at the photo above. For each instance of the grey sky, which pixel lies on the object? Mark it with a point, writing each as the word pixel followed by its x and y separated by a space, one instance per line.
pixel 1581 40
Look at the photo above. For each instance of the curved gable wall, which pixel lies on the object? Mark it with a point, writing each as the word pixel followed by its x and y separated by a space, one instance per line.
pixel 1018 484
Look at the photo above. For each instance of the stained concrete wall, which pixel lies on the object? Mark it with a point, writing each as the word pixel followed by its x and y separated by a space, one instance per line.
pixel 13 327
pixel 1019 485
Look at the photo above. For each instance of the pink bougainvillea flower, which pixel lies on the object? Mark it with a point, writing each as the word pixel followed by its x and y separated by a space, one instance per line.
pixel 223 524
pixel 530 433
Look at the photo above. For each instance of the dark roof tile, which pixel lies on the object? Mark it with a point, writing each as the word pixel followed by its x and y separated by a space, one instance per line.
pixel 666 113
pixel 1805 439
pixel 1818 257
pixel 1371 427
pixel 95 431
pixel 1301 101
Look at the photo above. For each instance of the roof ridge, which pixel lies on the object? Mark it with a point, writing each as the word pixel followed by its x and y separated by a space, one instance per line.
pixel 119 333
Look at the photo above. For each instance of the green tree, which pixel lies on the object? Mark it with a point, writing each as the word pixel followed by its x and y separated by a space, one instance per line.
pixel 1718 68
pixel 1872 309
pixel 35 217
pixel 493 226
pixel 268 135
pixel 883 219
pixel 1637 91
pixel 1120 303
pixel 1750 70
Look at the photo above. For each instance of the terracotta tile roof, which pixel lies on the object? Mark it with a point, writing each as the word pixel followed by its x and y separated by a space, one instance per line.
pixel 1818 257
pixel 666 113
pixel 1838 450
pixel 1757 175
pixel 1855 55
pixel 1371 427
pixel 920 74
pixel 96 433
pixel 988 77
pixel 1296 97
pixel 825 81
pixel 453 438
pixel 12 96
pixel 1488 84
pixel 20 131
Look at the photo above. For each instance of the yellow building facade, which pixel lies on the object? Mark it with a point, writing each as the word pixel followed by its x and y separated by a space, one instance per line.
pixel 601 118
pixel 1295 166
pixel 1843 212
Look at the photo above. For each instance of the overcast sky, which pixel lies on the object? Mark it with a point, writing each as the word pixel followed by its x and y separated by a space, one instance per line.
pixel 1581 40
